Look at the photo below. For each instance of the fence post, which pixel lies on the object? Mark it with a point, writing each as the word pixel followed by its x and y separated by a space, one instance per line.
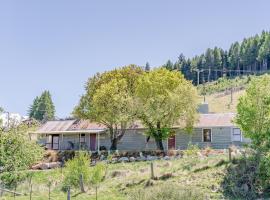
pixel 31 192
pixel 68 193
pixel 81 183
pixel 152 171
pixel 230 154
pixel 96 192
pixel 49 190
pixel 15 191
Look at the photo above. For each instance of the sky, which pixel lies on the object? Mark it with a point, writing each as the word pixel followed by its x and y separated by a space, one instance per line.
pixel 56 45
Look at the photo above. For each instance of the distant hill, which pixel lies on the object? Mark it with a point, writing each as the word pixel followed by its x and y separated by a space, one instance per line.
pixel 246 57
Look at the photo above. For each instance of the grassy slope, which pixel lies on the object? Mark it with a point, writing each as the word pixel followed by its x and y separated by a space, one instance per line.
pixel 200 173
pixel 222 103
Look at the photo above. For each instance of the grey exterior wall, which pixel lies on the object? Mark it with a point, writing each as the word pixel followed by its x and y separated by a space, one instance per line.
pixel 221 138
pixel 135 140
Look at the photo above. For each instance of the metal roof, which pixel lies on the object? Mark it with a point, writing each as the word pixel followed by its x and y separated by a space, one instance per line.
pixel 77 126
pixel 215 120
pixel 53 126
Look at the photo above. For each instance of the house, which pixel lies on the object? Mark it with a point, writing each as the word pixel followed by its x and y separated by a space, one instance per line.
pixel 215 130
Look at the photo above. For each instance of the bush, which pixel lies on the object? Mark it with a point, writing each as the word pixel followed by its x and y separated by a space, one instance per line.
pixel 166 192
pixel 192 149
pixel 248 177
pixel 75 168
pixel 17 154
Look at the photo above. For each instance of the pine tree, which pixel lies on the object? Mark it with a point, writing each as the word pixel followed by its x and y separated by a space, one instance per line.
pixel 147 67
pixel 33 108
pixel 42 108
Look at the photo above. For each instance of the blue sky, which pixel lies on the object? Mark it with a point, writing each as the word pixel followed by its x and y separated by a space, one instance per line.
pixel 57 45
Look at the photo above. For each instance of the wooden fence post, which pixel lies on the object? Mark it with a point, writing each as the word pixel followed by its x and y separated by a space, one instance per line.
pixel 96 192
pixel 50 190
pixel 15 191
pixel 152 171
pixel 230 154
pixel 31 191
pixel 81 183
pixel 68 193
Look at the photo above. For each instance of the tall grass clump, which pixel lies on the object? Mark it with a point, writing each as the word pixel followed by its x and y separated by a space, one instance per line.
pixel 166 192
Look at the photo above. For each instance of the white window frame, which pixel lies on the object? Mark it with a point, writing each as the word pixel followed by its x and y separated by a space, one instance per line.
pixel 203 135
pixel 241 134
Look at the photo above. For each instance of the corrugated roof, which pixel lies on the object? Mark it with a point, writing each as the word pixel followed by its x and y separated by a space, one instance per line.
pixel 86 125
pixel 53 126
pixel 216 120
pixel 205 120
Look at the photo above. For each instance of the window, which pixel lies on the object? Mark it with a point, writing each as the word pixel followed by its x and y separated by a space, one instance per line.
pixel 82 138
pixel 49 142
pixel 236 135
pixel 207 135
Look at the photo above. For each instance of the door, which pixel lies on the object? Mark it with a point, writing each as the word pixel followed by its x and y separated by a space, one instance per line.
pixel 93 142
pixel 171 142
pixel 55 142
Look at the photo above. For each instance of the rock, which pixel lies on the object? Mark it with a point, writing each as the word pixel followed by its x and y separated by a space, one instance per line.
pixel 54 165
pixel 123 159
pixel 44 166
pixel 151 158
pixel 166 158
pixel 141 158
pixel 132 159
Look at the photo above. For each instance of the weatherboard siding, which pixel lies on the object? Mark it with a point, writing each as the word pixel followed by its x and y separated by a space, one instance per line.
pixel 133 140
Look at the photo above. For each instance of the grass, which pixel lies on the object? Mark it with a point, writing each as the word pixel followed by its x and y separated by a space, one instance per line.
pixel 221 102
pixel 123 179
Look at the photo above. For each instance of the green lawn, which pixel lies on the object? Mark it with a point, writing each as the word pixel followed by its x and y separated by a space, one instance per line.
pixel 203 174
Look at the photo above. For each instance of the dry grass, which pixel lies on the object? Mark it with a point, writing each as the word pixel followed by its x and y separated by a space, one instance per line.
pixel 221 102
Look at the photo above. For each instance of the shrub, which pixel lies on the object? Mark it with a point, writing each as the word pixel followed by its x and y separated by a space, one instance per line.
pixel 248 177
pixel 165 192
pixel 75 168
pixel 192 149
pixel 17 154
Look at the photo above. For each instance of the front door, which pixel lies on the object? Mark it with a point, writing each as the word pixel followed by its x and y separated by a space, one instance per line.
pixel 55 142
pixel 171 142
pixel 93 142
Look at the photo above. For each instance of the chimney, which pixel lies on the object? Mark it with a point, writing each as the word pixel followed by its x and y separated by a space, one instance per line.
pixel 203 108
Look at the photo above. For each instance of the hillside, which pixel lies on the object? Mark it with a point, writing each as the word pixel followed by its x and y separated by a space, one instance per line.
pixel 222 95
pixel 221 102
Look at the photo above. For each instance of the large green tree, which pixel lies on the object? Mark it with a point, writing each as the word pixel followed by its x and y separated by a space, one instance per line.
pixel 42 108
pixel 165 98
pixel 108 100
pixel 253 112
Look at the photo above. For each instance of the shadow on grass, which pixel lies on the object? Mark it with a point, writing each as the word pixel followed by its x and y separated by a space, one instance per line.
pixel 206 167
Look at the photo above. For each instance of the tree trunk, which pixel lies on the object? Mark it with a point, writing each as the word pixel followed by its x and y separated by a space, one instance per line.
pixel 116 135
pixel 158 138
pixel 159 144
pixel 113 144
